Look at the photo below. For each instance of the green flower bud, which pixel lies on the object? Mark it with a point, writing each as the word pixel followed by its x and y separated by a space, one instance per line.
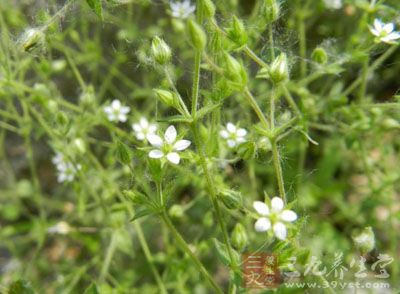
pixel 231 199
pixel 237 32
pixel 271 10
pixel 160 51
pixel 365 241
pixel 33 39
pixel 197 35
pixel 278 71
pixel 239 237
pixel 79 145
pixel 166 97
pixel 176 211
pixel 208 8
pixel 235 72
pixel 87 97
pixel 319 55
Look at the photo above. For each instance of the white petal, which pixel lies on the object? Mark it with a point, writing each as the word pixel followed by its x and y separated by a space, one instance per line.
pixel 116 104
pixel 144 123
pixel 122 117
pixel 181 145
pixel 231 143
pixel 391 37
pixel 155 140
pixel 140 136
pixel 224 134
pixel 280 231
pixel 288 215
pixel 241 132
pixel 240 140
pixel 262 224
pixel 231 127
pixel 378 25
pixel 173 157
pixel 170 135
pixel 152 129
pixel 156 153
pixel 374 32
pixel 112 117
pixel 388 28
pixel 261 207
pixel 136 127
pixel 276 204
pixel 108 109
pixel 125 109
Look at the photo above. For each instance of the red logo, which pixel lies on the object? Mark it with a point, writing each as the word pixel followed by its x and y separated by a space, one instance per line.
pixel 260 270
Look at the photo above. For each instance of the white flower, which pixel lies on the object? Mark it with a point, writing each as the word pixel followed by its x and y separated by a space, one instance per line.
pixel 333 4
pixel 273 217
pixel 167 147
pixel 142 129
pixel 181 9
pixel 62 228
pixel 66 170
pixel 233 135
pixel 384 32
pixel 117 112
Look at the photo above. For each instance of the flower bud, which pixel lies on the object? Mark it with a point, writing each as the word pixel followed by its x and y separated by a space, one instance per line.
pixel 278 71
pixel 32 39
pixel 176 211
pixel 319 55
pixel 237 32
pixel 166 97
pixel 87 96
pixel 160 51
pixel 235 72
pixel 79 145
pixel 365 241
pixel 271 10
pixel 231 199
pixel 208 8
pixel 197 35
pixel 239 237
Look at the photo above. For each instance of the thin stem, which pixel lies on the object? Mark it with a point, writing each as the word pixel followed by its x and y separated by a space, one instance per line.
pixel 254 56
pixel 364 76
pixel 302 45
pixel 185 248
pixel 253 103
pixel 290 100
pixel 271 41
pixel 109 254
pixel 196 82
pixel 275 152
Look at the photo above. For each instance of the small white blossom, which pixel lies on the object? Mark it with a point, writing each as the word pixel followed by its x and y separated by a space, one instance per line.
pixel 233 135
pixel 66 170
pixel 116 111
pixel 333 4
pixel 61 228
pixel 384 32
pixel 182 9
pixel 273 217
pixel 168 146
pixel 143 128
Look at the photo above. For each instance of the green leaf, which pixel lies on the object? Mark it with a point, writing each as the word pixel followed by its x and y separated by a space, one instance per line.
pixel 21 287
pixel 175 119
pixel 92 289
pixel 141 213
pixel 206 110
pixel 96 6
pixel 123 153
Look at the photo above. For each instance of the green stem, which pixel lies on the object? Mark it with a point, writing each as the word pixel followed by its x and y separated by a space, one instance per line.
pixel 185 248
pixel 109 254
pixel 302 45
pixel 364 77
pixel 254 56
pixel 196 82
pixel 253 103
pixel 275 152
